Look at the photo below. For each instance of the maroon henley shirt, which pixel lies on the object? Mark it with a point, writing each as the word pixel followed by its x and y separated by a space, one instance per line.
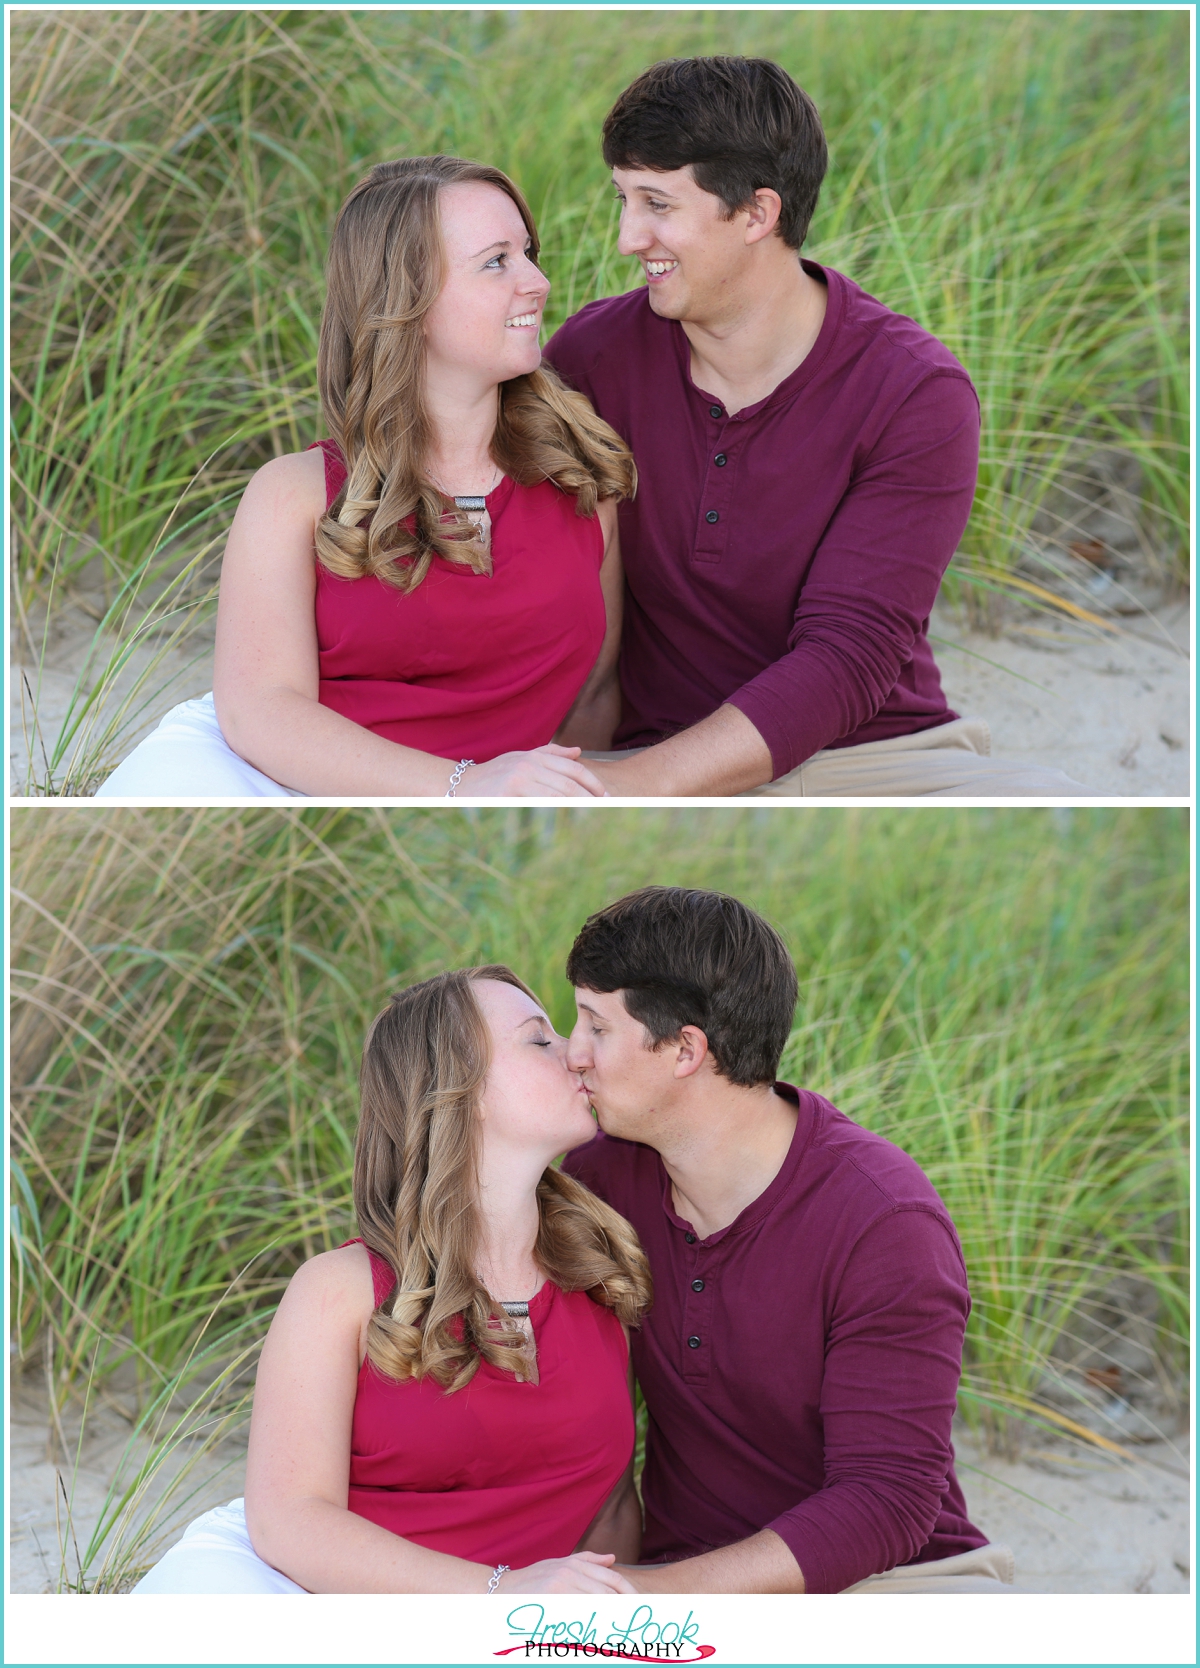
pixel 784 558
pixel 800 1366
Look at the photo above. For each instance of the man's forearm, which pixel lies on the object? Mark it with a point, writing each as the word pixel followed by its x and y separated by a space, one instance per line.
pixel 723 754
pixel 761 1564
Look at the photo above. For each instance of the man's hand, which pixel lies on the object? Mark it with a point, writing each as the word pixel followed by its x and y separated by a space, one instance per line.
pixel 761 1564
pixel 582 1572
pixel 723 754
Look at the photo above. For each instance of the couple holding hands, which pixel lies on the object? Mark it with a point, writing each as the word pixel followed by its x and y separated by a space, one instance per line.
pixel 446 1404
pixel 692 551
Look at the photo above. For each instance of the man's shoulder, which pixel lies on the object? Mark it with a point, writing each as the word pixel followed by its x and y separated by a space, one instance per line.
pixel 871 1175
pixel 869 327
pixel 607 1164
pixel 602 329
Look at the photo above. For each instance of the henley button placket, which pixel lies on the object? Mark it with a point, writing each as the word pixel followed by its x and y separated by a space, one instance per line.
pixel 696 1318
pixel 716 499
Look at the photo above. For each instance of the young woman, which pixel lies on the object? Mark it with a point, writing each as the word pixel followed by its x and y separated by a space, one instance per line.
pixel 429 601
pixel 444 1406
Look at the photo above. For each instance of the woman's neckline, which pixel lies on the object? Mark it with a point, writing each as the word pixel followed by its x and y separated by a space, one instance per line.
pixel 529 1302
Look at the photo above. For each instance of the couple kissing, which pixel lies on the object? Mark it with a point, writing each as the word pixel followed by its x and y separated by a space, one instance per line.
pixel 446 1403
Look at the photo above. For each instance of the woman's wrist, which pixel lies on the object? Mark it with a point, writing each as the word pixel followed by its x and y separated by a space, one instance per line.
pixel 296 740
pixel 456 776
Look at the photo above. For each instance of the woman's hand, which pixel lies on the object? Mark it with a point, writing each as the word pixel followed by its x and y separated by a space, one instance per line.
pixel 582 1572
pixel 550 772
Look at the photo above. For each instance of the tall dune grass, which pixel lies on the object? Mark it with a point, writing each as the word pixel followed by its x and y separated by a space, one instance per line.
pixel 1016 181
pixel 1004 995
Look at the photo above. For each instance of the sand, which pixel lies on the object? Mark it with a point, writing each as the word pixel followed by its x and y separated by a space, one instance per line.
pixel 1086 1523
pixel 58 1490
pixel 1110 707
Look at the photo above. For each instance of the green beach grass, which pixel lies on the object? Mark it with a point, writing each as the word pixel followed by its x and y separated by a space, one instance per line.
pixel 1003 994
pixel 1016 181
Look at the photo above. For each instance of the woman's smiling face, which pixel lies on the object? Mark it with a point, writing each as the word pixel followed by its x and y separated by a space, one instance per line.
pixel 530 1099
pixel 483 327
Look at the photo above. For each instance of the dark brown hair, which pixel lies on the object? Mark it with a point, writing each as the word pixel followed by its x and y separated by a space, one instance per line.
pixel 384 272
pixel 741 124
pixel 682 957
pixel 416 1189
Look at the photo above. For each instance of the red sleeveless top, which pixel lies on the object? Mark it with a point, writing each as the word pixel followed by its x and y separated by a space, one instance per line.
pixel 499 1472
pixel 469 666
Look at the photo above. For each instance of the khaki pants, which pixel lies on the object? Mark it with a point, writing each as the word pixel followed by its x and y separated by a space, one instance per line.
pixel 951 761
pixel 989 1569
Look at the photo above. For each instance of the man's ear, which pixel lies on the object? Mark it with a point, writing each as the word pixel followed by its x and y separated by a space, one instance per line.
pixel 692 1051
pixel 762 215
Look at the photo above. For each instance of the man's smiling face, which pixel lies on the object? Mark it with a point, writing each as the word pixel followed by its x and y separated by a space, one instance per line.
pixel 693 257
pixel 626 1079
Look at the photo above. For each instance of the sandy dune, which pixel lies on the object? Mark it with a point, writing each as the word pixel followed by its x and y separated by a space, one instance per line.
pixel 1111 708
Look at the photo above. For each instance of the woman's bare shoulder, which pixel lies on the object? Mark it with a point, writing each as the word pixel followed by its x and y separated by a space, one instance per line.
pixel 339 1280
pixel 294 481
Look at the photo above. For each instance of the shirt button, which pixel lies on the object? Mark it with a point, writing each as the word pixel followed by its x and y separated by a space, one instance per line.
pixel 697 1285
pixel 714 411
pixel 720 460
pixel 712 516
pixel 691 1238
pixel 693 1342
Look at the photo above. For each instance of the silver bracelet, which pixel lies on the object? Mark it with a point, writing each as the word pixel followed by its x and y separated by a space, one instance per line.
pixel 500 1569
pixel 457 775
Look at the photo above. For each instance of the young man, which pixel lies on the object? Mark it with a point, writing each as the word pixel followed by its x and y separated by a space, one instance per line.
pixel 806 465
pixel 801 1358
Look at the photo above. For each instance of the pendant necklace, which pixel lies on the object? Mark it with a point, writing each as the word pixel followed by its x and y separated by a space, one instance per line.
pixel 474 507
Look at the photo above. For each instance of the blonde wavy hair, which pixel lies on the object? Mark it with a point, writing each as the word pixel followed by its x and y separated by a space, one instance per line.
pixel 384 272
pixel 416 1187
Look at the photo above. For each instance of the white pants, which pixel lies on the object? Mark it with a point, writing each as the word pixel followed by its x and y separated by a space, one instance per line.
pixel 215 1556
pixel 188 757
